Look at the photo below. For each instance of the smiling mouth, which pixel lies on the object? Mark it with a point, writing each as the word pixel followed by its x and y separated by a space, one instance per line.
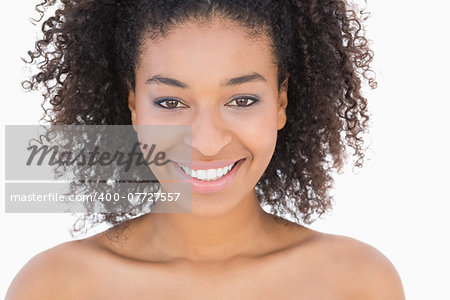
pixel 208 174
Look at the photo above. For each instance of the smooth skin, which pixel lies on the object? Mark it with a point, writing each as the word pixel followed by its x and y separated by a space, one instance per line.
pixel 228 247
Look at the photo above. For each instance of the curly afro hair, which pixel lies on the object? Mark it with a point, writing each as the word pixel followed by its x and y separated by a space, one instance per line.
pixel 321 43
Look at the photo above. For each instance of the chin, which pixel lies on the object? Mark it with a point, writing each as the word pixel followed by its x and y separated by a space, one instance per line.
pixel 209 206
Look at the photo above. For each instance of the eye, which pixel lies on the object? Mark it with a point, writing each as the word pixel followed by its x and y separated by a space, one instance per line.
pixel 170 103
pixel 243 101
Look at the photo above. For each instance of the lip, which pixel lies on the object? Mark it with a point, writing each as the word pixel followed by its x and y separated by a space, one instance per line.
pixel 213 186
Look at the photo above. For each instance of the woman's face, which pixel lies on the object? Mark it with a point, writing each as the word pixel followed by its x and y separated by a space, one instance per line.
pixel 223 84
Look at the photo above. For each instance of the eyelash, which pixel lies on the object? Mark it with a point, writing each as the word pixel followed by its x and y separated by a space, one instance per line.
pixel 246 97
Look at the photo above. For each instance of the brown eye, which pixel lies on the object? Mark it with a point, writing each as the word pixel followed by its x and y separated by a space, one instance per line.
pixel 243 101
pixel 170 103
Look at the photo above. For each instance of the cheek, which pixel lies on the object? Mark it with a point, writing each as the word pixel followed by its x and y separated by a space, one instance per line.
pixel 143 113
pixel 258 132
pixel 258 135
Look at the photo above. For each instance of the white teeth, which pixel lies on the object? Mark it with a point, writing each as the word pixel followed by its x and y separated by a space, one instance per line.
pixel 187 170
pixel 211 174
pixel 207 175
pixel 201 174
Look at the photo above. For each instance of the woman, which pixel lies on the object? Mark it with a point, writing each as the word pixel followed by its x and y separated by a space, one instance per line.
pixel 271 89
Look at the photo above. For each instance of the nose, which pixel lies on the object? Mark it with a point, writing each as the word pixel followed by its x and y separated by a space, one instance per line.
pixel 210 133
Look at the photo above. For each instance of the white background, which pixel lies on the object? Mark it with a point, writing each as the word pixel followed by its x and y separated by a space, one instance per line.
pixel 398 202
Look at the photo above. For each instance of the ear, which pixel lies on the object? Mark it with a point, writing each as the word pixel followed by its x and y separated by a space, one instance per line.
pixel 132 104
pixel 282 103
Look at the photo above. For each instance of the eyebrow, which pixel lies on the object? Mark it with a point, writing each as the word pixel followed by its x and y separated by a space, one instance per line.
pixel 160 79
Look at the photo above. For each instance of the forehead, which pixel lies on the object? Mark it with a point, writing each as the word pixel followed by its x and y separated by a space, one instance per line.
pixel 217 47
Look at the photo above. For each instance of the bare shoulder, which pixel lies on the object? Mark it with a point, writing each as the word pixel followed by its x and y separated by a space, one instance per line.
pixel 362 268
pixel 54 273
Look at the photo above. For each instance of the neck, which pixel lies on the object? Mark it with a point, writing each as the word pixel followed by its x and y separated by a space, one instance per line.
pixel 240 231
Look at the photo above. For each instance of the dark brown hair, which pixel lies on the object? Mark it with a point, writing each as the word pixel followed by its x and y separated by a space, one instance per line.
pixel 89 51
